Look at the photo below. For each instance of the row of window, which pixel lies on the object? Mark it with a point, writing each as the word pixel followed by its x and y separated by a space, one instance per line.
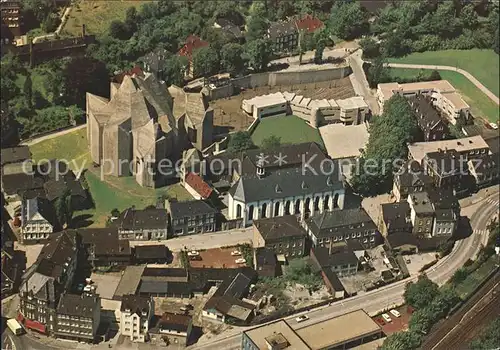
pixel 79 325
pixel 347 236
pixel 74 331
pixel 444 230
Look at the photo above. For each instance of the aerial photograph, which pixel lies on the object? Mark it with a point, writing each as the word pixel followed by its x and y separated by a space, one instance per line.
pixel 250 174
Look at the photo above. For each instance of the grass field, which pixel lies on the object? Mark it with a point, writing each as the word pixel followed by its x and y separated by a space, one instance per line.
pixel 472 281
pixel 290 128
pixel 97 15
pixel 481 105
pixel 68 147
pixel 482 64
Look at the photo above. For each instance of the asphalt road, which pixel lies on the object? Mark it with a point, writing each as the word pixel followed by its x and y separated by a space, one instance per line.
pixel 374 301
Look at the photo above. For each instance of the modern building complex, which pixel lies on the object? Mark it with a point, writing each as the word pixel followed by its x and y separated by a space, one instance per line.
pixel 442 94
pixel 353 110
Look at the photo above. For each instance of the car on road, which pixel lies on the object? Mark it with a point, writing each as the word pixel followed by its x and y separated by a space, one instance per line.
pixel 386 318
pixel 302 318
pixel 395 313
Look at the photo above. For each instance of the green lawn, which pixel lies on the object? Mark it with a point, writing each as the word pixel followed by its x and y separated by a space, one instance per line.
pixel 482 64
pixel 481 105
pixel 38 81
pixel 476 277
pixel 290 128
pixel 97 15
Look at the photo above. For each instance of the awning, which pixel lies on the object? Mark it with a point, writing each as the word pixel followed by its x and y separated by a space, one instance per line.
pixel 37 326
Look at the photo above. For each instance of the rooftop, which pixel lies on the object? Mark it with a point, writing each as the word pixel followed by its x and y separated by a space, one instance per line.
pixel 135 304
pixel 396 215
pixel 78 305
pixel 279 227
pixel 266 100
pixel 388 89
pixel 192 43
pixel 418 150
pixel 335 135
pixel 338 330
pixel 352 102
pixel 105 241
pixel 176 322
pixel 15 154
pixel 158 251
pixel 337 222
pixel 421 203
pixel 309 23
pixel 278 29
pixel 150 218
pixel 199 185
pixel 340 256
pixel 190 208
pixel 263 336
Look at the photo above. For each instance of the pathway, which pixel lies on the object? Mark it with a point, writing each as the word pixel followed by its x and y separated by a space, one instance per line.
pixel 469 76
pixel 64 18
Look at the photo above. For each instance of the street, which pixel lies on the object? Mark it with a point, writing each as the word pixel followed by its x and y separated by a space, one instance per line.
pixel 204 241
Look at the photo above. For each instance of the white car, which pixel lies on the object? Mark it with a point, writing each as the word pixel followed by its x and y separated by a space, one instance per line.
pixel 302 318
pixel 386 318
pixel 235 253
pixel 240 261
pixel 193 253
pixel 395 313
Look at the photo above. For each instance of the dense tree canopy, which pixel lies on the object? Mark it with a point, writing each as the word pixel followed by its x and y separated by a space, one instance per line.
pixel 421 293
pixel 206 62
pixel 271 142
pixel 232 58
pixel 258 53
pixel 240 141
pixel 389 134
pixel 348 20
pixel 402 341
pixel 489 337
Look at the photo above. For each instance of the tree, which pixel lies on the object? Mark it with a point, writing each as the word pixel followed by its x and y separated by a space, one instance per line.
pixel 240 141
pixel 496 42
pixel 271 142
pixel 9 127
pixel 256 28
pixel 402 341
pixel 394 46
pixel 348 20
pixel 318 54
pixel 64 210
pixel 421 293
pixel 489 337
pixel 51 22
pixel 28 91
pixel 205 62
pixel 370 47
pixel 421 321
pixel 9 69
pixel 115 213
pixel 82 75
pixel 174 70
pixel 468 17
pixel 378 73
pixel 40 8
pixel 389 134
pixel 258 53
pixel 119 30
pixel 232 58
pixel 131 19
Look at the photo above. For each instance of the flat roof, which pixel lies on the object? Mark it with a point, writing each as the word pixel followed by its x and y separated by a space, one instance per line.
pixel 352 102
pixel 258 335
pixel 418 150
pixel 456 100
pixel 344 141
pixel 130 281
pixel 338 330
pixel 266 100
pixel 441 86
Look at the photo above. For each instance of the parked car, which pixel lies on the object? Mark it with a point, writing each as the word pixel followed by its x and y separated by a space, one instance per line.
pixel 395 313
pixel 235 253
pixel 193 253
pixel 302 318
pixel 240 261
pixel 386 318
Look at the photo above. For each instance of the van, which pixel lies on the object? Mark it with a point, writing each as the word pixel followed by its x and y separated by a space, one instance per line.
pixel 386 318
pixel 395 313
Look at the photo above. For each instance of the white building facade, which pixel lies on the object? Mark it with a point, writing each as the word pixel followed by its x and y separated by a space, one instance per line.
pixel 135 318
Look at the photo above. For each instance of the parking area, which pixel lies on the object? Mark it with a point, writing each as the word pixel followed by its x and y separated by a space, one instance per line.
pixel 217 258
pixel 31 251
pixel 415 262
pixel 106 283
pixel 396 324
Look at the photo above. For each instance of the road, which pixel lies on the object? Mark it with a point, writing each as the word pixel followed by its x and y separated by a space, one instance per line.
pixel 359 82
pixel 469 76
pixel 204 241
pixel 375 301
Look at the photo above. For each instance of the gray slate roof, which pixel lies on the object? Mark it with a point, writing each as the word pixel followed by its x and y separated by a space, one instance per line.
pixel 280 227
pixel 338 222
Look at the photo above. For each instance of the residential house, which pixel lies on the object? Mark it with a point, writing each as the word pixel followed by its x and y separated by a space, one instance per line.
pixel 45 281
pixel 289 180
pixel 395 218
pixel 338 257
pixel 11 271
pixel 309 24
pixel 172 329
pixel 447 169
pixel 428 119
pixel 78 317
pixel 191 217
pixel 467 147
pixel 38 219
pixel 445 223
pixel 12 20
pixel 104 248
pixel 226 303
pixel 284 235
pixel 342 225
pixel 151 254
pixel 192 43
pixel 409 179
pixel 197 187
pixel 442 198
pixel 16 160
pixel 333 283
pixel 422 214
pixel 229 29
pixel 485 169
pixel 284 36
pixel 266 263
pixel 142 225
pixel 136 315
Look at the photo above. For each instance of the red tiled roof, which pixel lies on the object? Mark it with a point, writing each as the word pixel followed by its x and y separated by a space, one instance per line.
pixel 309 23
pixel 193 42
pixel 136 70
pixel 200 186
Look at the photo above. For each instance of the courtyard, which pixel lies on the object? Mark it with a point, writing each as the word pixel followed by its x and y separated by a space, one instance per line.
pixel 290 128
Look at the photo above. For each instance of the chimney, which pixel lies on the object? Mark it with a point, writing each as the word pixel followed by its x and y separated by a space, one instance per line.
pixel 445 149
pixel 84 28
pixel 261 172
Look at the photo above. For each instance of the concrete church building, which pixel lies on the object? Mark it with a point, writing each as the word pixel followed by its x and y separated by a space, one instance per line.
pixel 135 129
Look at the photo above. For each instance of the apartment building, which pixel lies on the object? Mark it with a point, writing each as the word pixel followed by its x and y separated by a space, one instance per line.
pixel 142 225
pixel 136 315
pixel 422 214
pixel 191 217
pixel 38 219
pixel 430 123
pixel 284 36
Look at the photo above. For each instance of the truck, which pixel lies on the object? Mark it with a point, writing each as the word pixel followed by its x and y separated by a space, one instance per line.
pixel 15 326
